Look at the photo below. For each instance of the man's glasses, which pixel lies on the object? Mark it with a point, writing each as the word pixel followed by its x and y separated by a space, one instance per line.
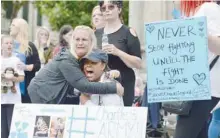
pixel 110 7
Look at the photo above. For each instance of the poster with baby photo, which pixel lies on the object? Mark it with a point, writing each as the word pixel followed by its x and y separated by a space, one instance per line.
pixel 74 121
pixel 41 128
pixel 57 127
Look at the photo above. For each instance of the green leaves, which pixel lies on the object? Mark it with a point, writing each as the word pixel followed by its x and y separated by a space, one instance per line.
pixel 71 12
pixel 12 7
pixel 66 12
pixel 61 12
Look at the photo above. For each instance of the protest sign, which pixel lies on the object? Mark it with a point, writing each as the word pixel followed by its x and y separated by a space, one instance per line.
pixel 177 60
pixel 69 121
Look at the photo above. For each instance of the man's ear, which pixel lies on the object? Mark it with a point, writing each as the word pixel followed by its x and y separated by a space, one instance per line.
pixel 104 65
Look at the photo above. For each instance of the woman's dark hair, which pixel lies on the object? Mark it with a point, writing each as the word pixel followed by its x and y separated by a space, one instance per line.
pixel 64 30
pixel 218 2
pixel 119 4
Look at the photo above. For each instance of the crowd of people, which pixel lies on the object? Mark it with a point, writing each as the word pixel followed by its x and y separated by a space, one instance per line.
pixel 94 66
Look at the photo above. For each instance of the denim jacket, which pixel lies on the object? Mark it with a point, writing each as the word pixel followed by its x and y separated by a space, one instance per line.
pixel 60 76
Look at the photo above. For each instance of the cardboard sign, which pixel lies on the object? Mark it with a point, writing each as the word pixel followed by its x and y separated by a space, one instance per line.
pixel 177 60
pixel 68 121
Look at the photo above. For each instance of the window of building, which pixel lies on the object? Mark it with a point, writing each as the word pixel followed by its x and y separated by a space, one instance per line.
pixel 39 18
pixel 25 11
pixel 8 10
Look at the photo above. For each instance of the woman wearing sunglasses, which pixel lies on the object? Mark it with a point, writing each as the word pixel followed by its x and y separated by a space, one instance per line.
pixel 122 45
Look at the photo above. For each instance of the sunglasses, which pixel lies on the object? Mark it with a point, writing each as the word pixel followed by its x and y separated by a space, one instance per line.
pixel 110 7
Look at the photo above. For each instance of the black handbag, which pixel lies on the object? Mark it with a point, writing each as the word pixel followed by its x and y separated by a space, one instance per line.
pixel 183 107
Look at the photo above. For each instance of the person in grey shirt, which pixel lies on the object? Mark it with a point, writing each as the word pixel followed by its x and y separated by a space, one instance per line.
pixel 63 73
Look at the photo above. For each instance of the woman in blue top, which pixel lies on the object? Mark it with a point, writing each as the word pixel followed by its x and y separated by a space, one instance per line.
pixel 214 128
pixel 27 52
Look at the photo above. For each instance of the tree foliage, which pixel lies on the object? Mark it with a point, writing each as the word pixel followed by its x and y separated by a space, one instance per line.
pixel 71 12
pixel 12 7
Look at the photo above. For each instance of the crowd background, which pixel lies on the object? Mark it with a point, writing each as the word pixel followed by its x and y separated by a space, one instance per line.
pixel 35 51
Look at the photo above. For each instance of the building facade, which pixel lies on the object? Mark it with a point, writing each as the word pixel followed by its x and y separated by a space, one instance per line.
pixel 141 12
pixel 31 15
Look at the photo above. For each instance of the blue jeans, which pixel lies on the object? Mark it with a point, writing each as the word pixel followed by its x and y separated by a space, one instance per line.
pixel 6 116
pixel 214 128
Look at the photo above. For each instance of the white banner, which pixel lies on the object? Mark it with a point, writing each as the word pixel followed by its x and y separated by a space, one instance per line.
pixel 68 121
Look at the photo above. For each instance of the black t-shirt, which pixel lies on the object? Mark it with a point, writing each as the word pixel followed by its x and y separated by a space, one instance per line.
pixel 32 58
pixel 125 41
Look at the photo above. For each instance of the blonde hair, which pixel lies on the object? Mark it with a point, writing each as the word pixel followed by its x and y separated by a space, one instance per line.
pixel 37 36
pixel 22 36
pixel 96 7
pixel 40 51
pixel 92 37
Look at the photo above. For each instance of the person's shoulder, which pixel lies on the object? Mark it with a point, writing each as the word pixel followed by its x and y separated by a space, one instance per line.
pixel 210 7
pixel 130 30
pixel 99 31
pixel 65 54
pixel 32 46
pixel 15 59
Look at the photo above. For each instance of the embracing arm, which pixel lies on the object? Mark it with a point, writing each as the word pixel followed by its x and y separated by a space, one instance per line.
pixel 72 73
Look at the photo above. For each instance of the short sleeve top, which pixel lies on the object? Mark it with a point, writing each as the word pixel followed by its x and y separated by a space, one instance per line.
pixel 124 40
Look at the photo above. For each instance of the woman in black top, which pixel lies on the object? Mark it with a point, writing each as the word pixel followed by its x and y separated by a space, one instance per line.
pixel 64 36
pixel 123 46
pixel 27 52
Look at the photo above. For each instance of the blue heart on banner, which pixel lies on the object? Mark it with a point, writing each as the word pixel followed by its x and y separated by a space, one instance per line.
pixel 24 125
pixel 200 23
pixel 150 28
pixel 201 29
pixel 17 124
pixel 12 135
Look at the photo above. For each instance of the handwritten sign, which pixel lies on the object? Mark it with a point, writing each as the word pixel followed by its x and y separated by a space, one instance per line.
pixel 68 121
pixel 177 60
